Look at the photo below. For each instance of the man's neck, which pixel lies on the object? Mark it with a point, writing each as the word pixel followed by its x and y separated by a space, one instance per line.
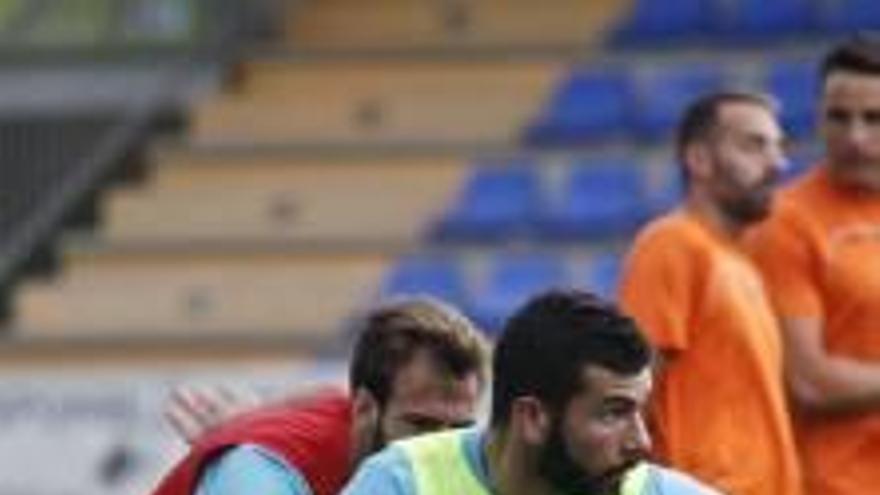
pixel 511 470
pixel 713 216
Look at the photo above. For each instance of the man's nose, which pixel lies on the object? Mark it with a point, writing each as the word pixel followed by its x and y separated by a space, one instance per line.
pixel 639 440
pixel 856 134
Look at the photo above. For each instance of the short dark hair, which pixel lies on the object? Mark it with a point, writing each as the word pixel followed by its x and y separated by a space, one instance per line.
pixel 546 344
pixel 392 334
pixel 701 117
pixel 860 53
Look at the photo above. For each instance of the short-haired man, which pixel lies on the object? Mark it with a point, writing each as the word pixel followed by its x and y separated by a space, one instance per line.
pixel 570 378
pixel 418 366
pixel 720 410
pixel 819 254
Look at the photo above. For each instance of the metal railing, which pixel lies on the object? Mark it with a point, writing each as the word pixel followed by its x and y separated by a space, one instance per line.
pixel 51 164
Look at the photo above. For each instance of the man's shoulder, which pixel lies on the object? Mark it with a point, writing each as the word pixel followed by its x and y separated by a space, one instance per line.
pixel 796 208
pixel 803 192
pixel 387 471
pixel 663 480
pixel 675 233
pixel 327 405
pixel 431 439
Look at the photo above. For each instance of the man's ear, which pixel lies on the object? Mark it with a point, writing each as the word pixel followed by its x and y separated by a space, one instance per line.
pixel 532 420
pixel 366 407
pixel 697 160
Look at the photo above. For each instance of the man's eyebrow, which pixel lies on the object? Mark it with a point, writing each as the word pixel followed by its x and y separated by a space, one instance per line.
pixel 464 423
pixel 426 421
pixel 619 401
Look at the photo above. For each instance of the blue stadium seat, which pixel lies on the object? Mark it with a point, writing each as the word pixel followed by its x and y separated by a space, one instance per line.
pixel 668 20
pixel 663 94
pixel 511 279
pixel 799 162
pixel 846 16
pixel 498 202
pixel 601 273
pixel 588 106
pixel 796 84
pixel 436 275
pixel 600 200
pixel 765 20
pixel 670 192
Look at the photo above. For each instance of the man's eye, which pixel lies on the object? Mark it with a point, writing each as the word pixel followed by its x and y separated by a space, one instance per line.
pixel 872 117
pixel 837 116
pixel 423 424
pixel 611 413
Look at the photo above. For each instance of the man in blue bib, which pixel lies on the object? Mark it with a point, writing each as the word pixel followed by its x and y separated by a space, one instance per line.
pixel 571 377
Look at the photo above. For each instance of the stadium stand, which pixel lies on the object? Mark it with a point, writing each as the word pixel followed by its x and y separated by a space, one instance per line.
pixel 512 277
pixel 662 92
pixel 795 84
pixel 436 275
pixel 279 197
pixel 357 103
pixel 675 20
pixel 474 151
pixel 756 21
pixel 588 105
pixel 458 26
pixel 499 201
pixel 601 199
pixel 202 293
pixel 600 273
pixel 844 16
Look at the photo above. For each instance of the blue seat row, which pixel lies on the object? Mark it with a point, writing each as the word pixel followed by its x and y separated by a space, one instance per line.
pixel 509 280
pixel 741 21
pixel 499 202
pixel 598 104
pixel 599 199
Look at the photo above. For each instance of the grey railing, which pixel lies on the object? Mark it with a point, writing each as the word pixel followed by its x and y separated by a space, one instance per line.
pixel 52 163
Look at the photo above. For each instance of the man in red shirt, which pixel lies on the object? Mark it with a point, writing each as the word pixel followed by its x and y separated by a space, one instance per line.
pixel 418 366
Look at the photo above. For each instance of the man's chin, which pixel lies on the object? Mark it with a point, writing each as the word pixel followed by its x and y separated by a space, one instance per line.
pixel 860 176
pixel 610 482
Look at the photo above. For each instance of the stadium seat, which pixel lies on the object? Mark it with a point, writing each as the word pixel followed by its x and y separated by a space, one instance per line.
pixel 589 105
pixel 600 200
pixel 668 20
pixel 511 279
pixel 846 16
pixel 436 275
pixel 600 274
pixel 663 94
pixel 498 202
pixel 670 190
pixel 796 85
pixel 761 20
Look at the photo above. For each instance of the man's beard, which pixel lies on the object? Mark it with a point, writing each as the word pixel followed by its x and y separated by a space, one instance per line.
pixel 750 204
pixel 749 208
pixel 859 174
pixel 379 438
pixel 557 466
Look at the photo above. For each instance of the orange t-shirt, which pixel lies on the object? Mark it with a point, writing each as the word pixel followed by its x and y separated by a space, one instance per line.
pixel 719 411
pixel 820 256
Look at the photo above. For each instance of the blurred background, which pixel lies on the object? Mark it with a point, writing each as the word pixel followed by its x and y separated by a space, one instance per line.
pixel 206 191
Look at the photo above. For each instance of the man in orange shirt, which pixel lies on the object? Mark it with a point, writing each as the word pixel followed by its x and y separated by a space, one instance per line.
pixel 719 409
pixel 820 257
